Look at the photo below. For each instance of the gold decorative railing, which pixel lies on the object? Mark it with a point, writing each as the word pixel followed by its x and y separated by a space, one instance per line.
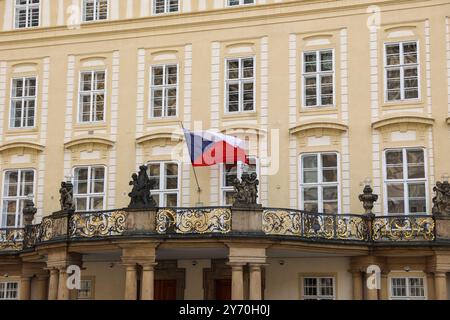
pixel 11 239
pixel 284 222
pixel 193 220
pixel 404 228
pixel 97 224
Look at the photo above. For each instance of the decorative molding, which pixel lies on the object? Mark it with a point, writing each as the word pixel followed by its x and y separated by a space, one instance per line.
pixel 22 144
pixel 244 129
pixel 318 125
pixel 402 119
pixel 87 140
pixel 161 134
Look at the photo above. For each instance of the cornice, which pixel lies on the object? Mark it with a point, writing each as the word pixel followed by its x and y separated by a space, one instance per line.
pixel 318 124
pixel 87 140
pixel 401 119
pixel 22 144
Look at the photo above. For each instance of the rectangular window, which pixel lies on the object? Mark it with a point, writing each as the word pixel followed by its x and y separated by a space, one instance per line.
pixel 18 185
pixel 408 288
pixel 232 3
pixel 23 102
pixel 92 96
pixel 318 288
pixel 26 13
pixel 165 183
pixel 240 85
pixel 319 186
pixel 164 91
pixel 402 71
pixel 165 6
pixel 89 188
pixel 9 290
pixel 94 10
pixel 231 172
pixel 318 78
pixel 405 181
pixel 86 290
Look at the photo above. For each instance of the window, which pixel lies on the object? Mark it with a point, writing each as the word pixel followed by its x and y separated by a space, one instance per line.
pixel 405 181
pixel 86 290
pixel 89 188
pixel 230 172
pixel 408 288
pixel 319 185
pixel 240 85
pixel 18 185
pixel 9 290
pixel 402 71
pixel 318 288
pixel 165 6
pixel 27 13
pixel 164 89
pixel 94 10
pixel 318 78
pixel 23 102
pixel 92 96
pixel 239 2
pixel 165 188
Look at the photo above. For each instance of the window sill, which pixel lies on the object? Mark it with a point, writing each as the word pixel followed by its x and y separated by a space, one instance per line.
pixel 90 125
pixel 402 104
pixel 166 120
pixel 240 115
pixel 319 110
pixel 21 131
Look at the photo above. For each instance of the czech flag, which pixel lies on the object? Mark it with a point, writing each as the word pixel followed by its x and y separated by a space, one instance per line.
pixel 209 148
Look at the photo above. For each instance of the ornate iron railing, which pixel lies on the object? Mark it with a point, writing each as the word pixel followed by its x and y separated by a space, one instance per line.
pixel 404 228
pixel 11 239
pixel 193 220
pixel 97 224
pixel 286 222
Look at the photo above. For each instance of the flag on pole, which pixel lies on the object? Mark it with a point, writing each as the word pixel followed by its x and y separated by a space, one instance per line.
pixel 208 148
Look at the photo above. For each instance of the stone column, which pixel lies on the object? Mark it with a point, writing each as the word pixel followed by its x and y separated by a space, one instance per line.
pixel 440 286
pixel 41 287
pixel 53 284
pixel 131 282
pixel 148 282
pixel 357 285
pixel 25 288
pixel 63 290
pixel 255 282
pixel 237 281
pixel 384 292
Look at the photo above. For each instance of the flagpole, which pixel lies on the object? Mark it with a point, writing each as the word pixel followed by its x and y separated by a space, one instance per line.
pixel 199 190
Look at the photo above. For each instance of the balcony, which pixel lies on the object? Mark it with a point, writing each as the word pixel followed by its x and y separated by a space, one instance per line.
pixel 226 223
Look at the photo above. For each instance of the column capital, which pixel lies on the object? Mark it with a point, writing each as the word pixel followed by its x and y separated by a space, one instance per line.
pixel 149 266
pixel 236 265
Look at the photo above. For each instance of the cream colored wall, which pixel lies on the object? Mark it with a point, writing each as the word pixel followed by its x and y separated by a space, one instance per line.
pixel 283 281
pixel 276 35
pixel 194 278
pixel 109 282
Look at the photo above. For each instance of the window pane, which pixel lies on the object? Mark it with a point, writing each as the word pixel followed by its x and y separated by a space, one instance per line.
pixel 154 173
pixel 171 200
pixel 396 198
pixel 393 54
pixel 310 62
pixel 171 176
pixel 416 164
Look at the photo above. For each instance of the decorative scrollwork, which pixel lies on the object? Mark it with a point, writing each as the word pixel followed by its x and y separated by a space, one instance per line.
pixel 281 222
pixel 32 235
pixel 11 239
pixel 97 224
pixel 46 229
pixel 318 226
pixel 194 221
pixel 404 228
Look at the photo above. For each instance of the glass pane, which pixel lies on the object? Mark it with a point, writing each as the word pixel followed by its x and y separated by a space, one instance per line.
pixel 330 207
pixel 158 76
pixel 310 62
pixel 171 200
pixel 416 164
pixel 396 202
pixel 330 193
pixel 247 68
pixel 393 54
pixel 233 69
pixel 154 173
pixel 81 204
pixel 310 194
pixel 171 176
pixel 394 162
pixel 96 203
pixel 230 172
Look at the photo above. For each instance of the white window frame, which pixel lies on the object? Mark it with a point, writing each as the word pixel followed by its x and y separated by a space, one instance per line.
pixel 162 182
pixel 405 181
pixel 318 296
pixel 27 7
pixel 19 214
pixel 240 165
pixel 89 194
pixel 407 287
pixel 5 287
pixel 92 92
pixel 90 280
pixel 241 3
pixel 402 66
pixel 318 75
pixel 166 8
pixel 163 87
pixel 96 14
pixel 23 99
pixel 240 81
pixel 320 184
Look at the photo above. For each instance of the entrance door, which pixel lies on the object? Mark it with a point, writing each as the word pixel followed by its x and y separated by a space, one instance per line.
pixel 165 289
pixel 223 289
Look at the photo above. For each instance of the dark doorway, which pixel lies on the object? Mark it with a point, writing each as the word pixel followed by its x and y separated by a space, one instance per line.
pixel 165 289
pixel 223 289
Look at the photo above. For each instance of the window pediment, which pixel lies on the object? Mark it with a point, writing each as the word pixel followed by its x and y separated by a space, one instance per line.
pixel 89 140
pixel 319 124
pixel 161 134
pixel 22 144
pixel 243 129
pixel 402 119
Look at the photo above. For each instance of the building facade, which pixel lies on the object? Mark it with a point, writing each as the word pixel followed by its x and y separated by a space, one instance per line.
pixel 328 96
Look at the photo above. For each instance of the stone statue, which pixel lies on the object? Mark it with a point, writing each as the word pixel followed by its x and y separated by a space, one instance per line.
pixel 441 202
pixel 66 199
pixel 246 191
pixel 368 198
pixel 140 194
pixel 29 210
